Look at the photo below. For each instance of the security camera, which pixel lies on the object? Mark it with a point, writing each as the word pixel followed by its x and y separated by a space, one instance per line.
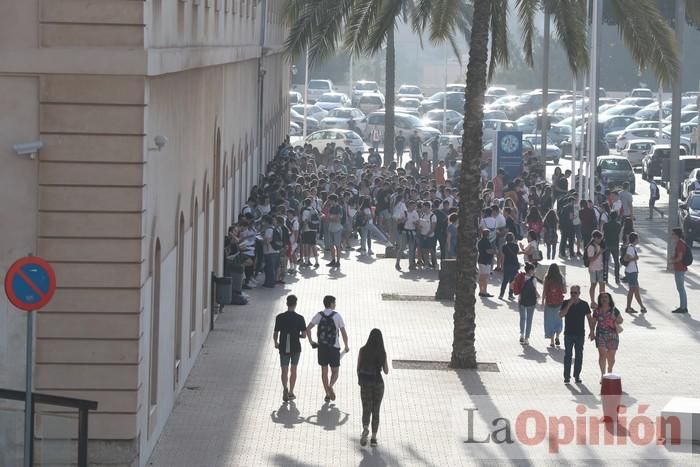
pixel 28 149
pixel 160 141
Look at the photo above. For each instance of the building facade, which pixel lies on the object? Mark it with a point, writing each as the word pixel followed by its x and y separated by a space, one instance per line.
pixel 133 228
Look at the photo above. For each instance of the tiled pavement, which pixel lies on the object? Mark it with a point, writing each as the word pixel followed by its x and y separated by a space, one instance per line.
pixel 231 413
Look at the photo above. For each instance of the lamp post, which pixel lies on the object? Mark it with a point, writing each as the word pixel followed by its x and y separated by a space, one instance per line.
pixel 674 163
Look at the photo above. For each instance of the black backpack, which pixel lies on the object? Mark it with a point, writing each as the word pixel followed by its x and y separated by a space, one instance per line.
pixel 314 220
pixel 327 332
pixel 277 242
pixel 687 259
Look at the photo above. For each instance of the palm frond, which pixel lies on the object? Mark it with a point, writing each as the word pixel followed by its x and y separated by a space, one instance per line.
pixel 569 17
pixel 526 15
pixel 648 37
pixel 499 36
pixel 316 25
pixel 364 13
pixel 384 21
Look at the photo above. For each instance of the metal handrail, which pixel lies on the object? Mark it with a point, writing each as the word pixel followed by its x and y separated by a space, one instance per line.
pixel 83 406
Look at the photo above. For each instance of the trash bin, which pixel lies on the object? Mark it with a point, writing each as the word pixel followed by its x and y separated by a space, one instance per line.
pixel 223 290
pixel 237 282
pixel 611 393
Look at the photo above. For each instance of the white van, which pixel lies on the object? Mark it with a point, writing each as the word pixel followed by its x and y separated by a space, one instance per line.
pixel 491 127
pixel 402 122
pixel 371 102
pixel 317 88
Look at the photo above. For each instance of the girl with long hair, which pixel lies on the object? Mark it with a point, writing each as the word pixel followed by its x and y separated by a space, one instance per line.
pixel 371 361
pixel 606 327
pixel 553 293
pixel 550 236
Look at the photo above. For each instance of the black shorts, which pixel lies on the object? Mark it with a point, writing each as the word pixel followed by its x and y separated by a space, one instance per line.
pixel 328 356
pixel 308 237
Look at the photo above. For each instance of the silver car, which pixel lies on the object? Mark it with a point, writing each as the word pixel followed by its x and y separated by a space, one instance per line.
pixel 636 149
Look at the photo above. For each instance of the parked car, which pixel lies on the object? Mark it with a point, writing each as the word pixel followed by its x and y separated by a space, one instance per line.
pixel 487 151
pixel 527 123
pixel 611 124
pixel 409 90
pixel 686 116
pixel 660 137
pixel 689 216
pixel 370 102
pixel 652 114
pixel 434 118
pixel 295 129
pixel 407 105
pixel 456 87
pixel 686 129
pixel 553 153
pixel 340 118
pixel 342 139
pixel 333 100
pixel 317 88
pixel 491 127
pixel 311 123
pixel 635 150
pixel 312 110
pixel 497 91
pixel 531 101
pixel 690 166
pixel 653 162
pixel 635 100
pixel 566 149
pixel 622 110
pixel 402 122
pixel 641 92
pixel 616 169
pixel 361 88
pixel 295 97
pixel 455 101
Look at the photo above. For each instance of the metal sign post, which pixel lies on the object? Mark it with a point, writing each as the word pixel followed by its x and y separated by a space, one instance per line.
pixel 29 285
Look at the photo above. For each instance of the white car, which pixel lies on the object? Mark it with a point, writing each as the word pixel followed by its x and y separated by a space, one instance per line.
pixel 650 133
pixel 407 105
pixel 402 122
pixel 552 151
pixel 491 127
pixel 317 88
pixel 371 102
pixel 408 90
pixel 363 87
pixel 295 129
pixel 333 100
pixel 339 118
pixel 457 87
pixel 342 139
pixel 635 150
pixel 312 110
pixel 295 97
pixel 497 91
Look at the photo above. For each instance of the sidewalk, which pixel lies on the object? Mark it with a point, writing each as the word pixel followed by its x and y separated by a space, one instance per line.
pixel 231 412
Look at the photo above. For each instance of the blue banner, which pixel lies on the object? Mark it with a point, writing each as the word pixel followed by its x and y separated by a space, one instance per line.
pixel 509 152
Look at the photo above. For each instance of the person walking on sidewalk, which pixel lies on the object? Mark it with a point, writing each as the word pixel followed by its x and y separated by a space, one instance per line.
pixel 272 245
pixel 575 313
pixel 654 195
pixel 371 362
pixel 594 258
pixel 606 319
pixel 632 273
pixel 527 303
pixel 289 328
pixel 510 265
pixel 679 262
pixel 552 297
pixel 611 237
pixel 485 262
pixel 330 325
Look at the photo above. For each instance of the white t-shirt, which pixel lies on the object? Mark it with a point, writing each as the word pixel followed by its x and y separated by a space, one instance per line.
pixel 500 221
pixel 339 323
pixel 594 264
pixel 399 210
pixel 632 265
pixel 306 214
pixel 411 220
pixel 426 221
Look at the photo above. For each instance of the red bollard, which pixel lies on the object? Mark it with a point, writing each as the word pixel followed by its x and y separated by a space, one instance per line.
pixel 611 393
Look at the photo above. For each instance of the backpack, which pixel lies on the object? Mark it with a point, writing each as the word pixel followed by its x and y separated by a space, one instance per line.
pixel 553 295
pixel 586 259
pixel 360 219
pixel 623 253
pixel 314 220
pixel 687 259
pixel 277 242
pixel 327 332
pixel 518 283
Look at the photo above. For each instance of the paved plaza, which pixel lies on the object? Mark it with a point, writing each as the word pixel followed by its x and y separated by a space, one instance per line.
pixel 231 412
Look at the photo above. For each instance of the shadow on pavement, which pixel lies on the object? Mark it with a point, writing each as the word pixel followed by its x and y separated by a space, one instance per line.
pixel 287 461
pixel 287 415
pixel 329 417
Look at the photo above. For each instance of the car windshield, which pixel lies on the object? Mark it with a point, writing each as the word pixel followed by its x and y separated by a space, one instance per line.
pixel 340 113
pixel 694 203
pixel 318 85
pixel 350 135
pixel 438 96
pixel 329 98
pixel 366 86
pixel 615 164
pixel 435 114
pixel 409 90
pixel 412 120
pixel 370 100
pixel 413 103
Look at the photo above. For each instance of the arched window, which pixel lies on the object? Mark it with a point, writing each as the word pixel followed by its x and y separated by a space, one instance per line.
pixel 205 280
pixel 194 268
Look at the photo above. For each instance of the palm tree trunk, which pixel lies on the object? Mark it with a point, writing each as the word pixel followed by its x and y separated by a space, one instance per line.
pixel 463 349
pixel 390 85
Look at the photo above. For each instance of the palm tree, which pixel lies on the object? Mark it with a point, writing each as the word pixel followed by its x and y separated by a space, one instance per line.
pixel 651 43
pixel 367 26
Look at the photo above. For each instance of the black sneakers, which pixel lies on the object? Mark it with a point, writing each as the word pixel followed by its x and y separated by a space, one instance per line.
pixel 680 310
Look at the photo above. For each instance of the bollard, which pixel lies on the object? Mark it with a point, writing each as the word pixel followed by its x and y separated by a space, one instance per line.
pixel 611 393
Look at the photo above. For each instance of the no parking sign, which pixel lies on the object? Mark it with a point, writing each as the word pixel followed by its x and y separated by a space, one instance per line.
pixel 29 284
